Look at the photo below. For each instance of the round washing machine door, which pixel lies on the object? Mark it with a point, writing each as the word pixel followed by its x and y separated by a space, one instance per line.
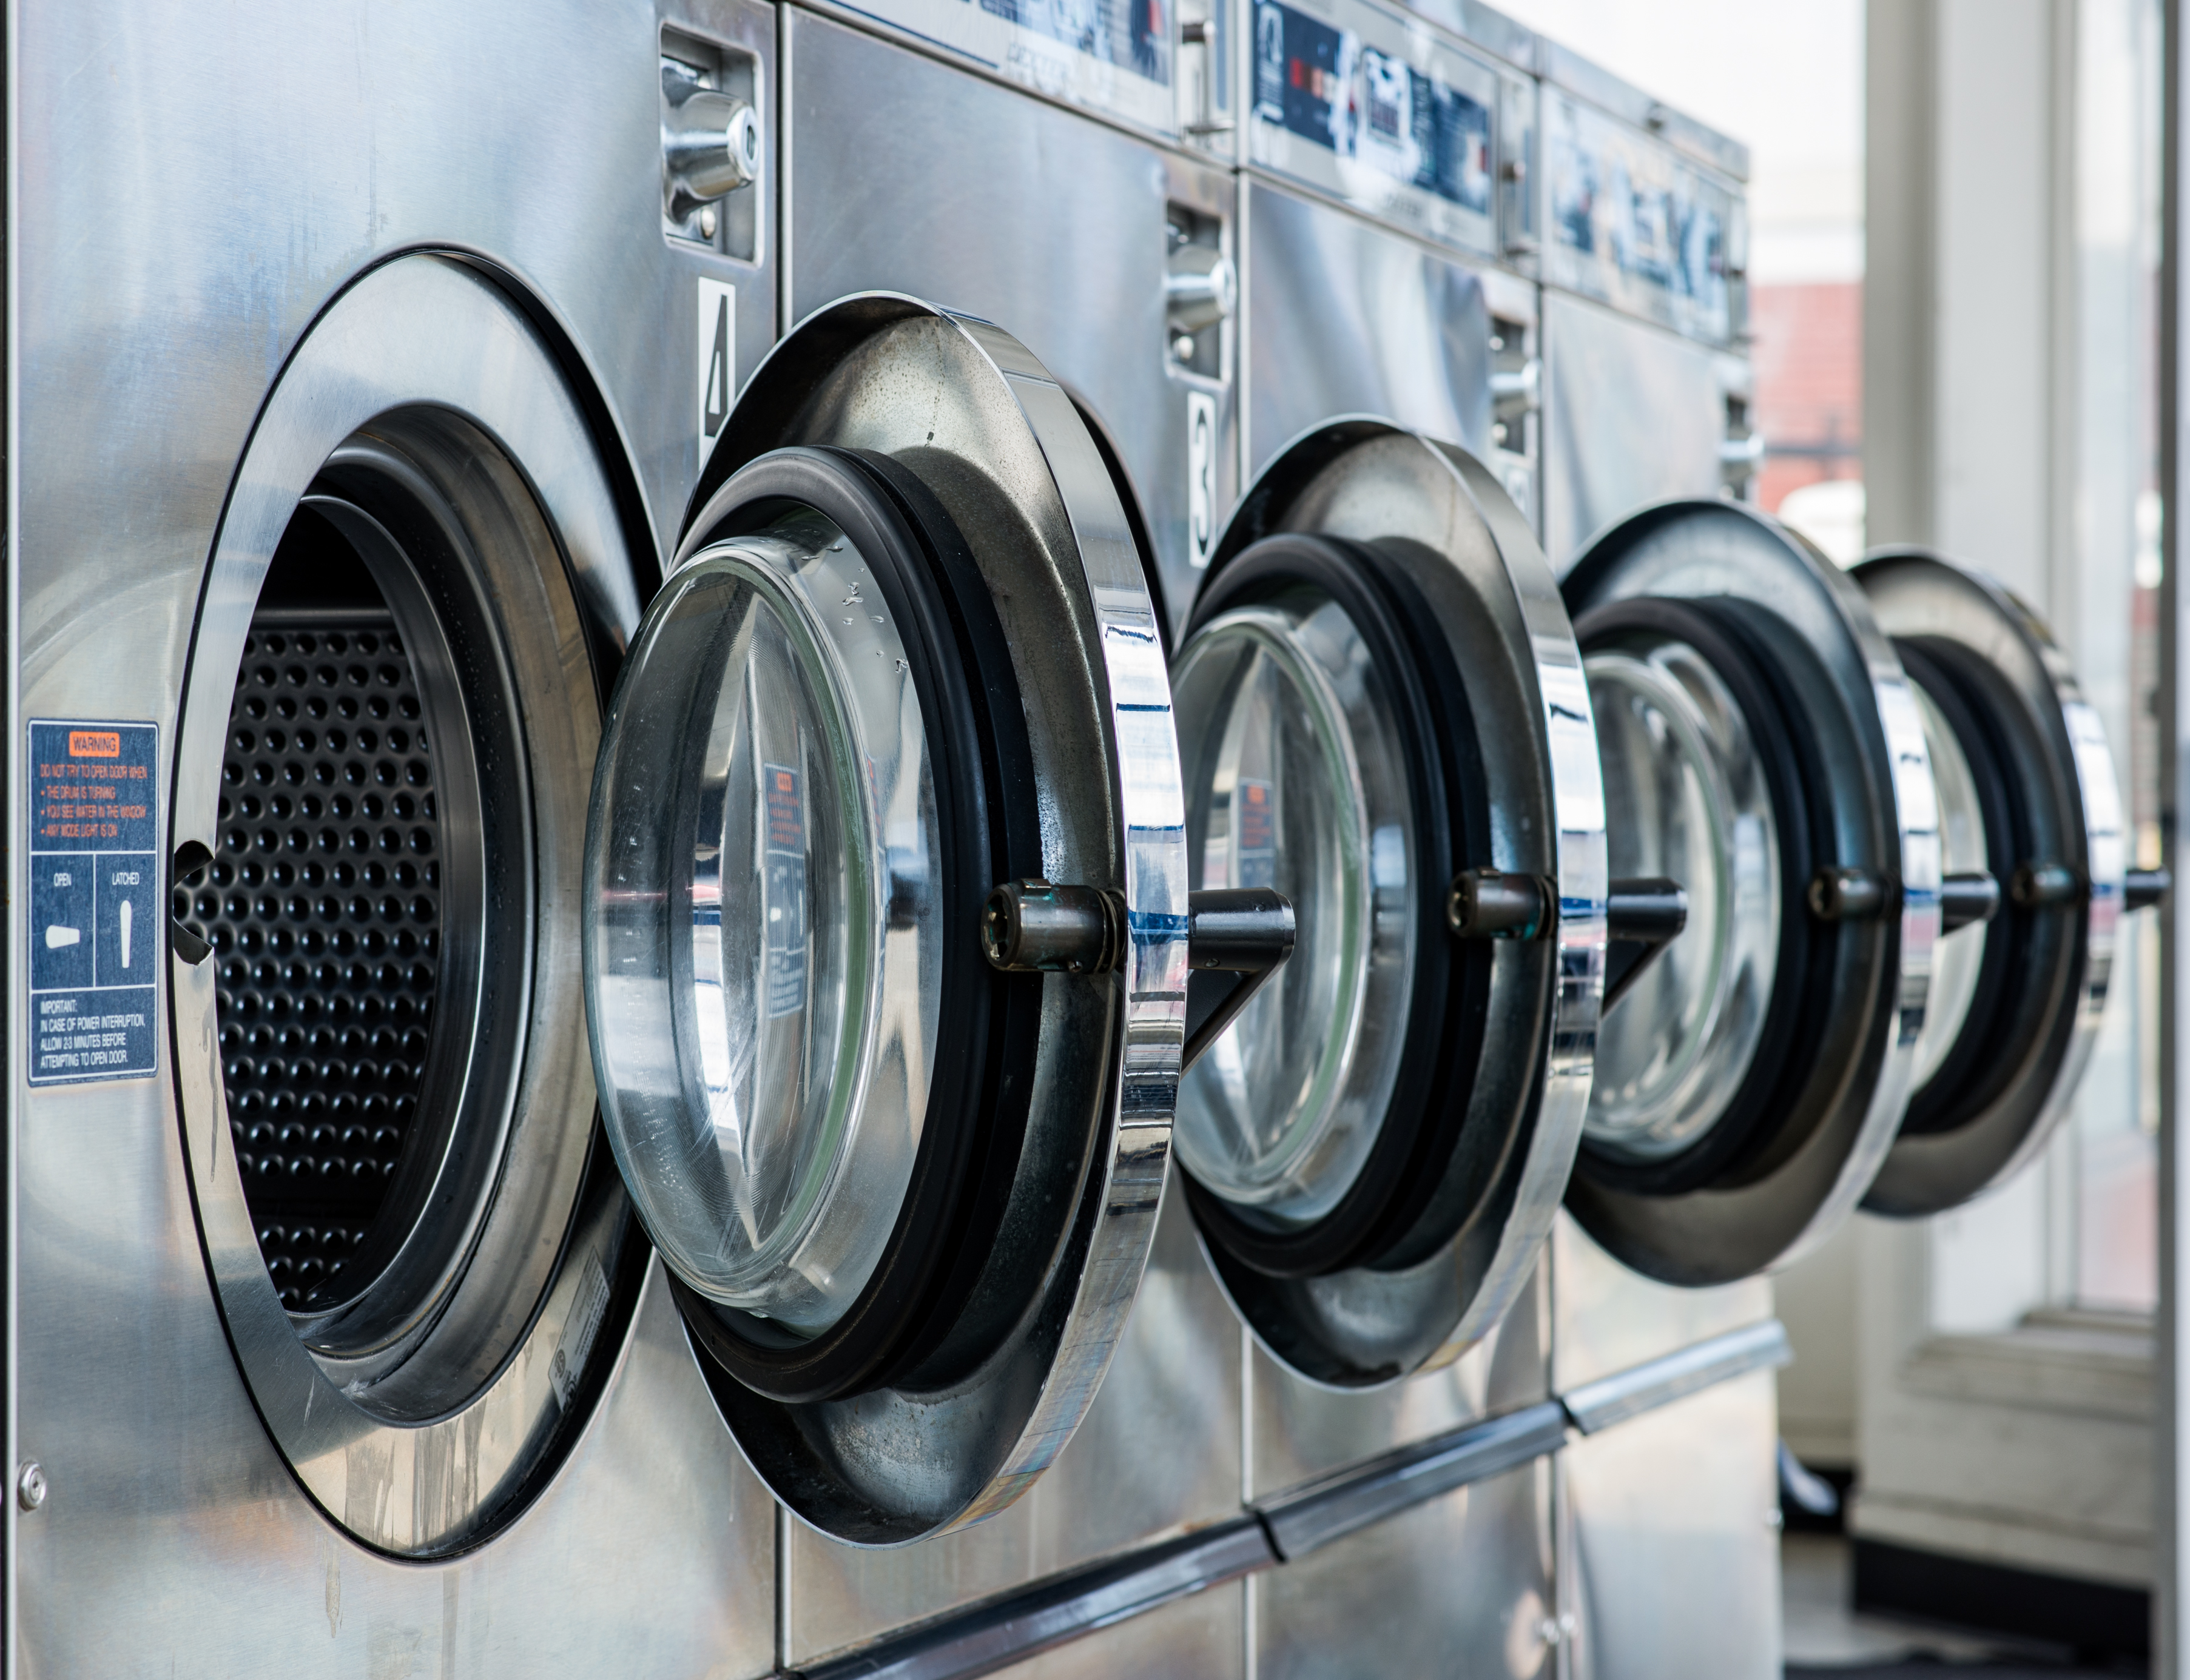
pixel 1761 747
pixel 1381 717
pixel 419 589
pixel 2027 799
pixel 905 655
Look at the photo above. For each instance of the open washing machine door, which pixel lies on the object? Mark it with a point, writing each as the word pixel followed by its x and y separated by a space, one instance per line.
pixel 421 586
pixel 1383 716
pixel 887 934
pixel 2028 798
pixel 1761 746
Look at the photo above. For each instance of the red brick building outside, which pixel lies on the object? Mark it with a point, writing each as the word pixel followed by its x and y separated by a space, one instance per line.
pixel 1808 357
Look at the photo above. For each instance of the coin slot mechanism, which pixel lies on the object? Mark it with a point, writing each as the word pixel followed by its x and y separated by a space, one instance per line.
pixel 1201 291
pixel 714 145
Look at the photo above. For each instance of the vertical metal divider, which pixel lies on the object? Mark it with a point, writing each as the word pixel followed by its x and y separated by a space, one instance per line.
pixel 15 812
pixel 1566 1607
pixel 1240 67
pixel 1250 1589
pixel 2170 1596
pixel 782 1589
pixel 1242 88
pixel 784 320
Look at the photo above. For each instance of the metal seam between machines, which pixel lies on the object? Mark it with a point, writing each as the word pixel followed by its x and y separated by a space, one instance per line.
pixel 1060 1609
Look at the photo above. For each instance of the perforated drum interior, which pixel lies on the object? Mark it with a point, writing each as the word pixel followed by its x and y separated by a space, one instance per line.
pixel 322 907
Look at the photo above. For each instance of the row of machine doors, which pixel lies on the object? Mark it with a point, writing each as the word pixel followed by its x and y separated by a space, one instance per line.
pixel 934 899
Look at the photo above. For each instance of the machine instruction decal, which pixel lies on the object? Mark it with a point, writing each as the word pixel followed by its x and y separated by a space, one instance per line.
pixel 1634 224
pixel 97 929
pixel 785 935
pixel 1329 85
pixel 1358 104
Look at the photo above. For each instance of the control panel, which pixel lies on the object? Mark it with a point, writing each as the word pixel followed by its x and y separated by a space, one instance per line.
pixel 1633 224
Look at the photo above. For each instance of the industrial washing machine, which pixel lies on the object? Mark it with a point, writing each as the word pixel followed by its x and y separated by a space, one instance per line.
pixel 374 1325
pixel 341 463
pixel 1644 390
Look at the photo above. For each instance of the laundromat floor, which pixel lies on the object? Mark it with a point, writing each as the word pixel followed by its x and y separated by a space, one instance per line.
pixel 1826 1640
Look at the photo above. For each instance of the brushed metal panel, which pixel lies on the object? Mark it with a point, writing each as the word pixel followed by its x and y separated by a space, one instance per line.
pixel 1344 318
pixel 1673 1540
pixel 249 161
pixel 940 183
pixel 1633 414
pixel 1461 1585
pixel 1159 1452
pixel 1300 1431
pixel 1201 1638
pixel 1606 1318
pixel 175 1542
pixel 1634 223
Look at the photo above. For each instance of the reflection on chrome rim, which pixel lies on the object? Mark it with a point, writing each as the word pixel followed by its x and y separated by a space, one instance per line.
pixel 1958 959
pixel 959 414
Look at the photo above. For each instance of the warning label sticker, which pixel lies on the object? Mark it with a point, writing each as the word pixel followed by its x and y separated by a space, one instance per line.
pixel 95 921
pixel 783 892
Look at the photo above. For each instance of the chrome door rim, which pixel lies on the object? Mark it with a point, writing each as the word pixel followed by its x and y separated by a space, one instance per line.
pixel 1915 592
pixel 1367 480
pixel 430 334
pixel 1728 551
pixel 1006 452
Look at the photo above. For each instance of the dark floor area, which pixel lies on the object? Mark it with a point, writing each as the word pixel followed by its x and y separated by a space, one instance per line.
pixel 1828 1639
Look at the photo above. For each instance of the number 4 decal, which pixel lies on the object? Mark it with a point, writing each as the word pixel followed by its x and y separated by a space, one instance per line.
pixel 718 364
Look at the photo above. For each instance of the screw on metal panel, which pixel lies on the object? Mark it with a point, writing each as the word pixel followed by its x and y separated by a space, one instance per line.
pixel 30 1486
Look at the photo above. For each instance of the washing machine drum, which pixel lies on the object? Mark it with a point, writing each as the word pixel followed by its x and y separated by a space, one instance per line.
pixel 1761 747
pixel 2028 798
pixel 425 1266
pixel 906 654
pixel 1380 714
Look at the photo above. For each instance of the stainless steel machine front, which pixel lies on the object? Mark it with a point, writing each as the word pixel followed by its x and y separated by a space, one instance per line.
pixel 338 475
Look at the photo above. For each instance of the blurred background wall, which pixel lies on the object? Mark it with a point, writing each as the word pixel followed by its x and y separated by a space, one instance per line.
pixel 1954 257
